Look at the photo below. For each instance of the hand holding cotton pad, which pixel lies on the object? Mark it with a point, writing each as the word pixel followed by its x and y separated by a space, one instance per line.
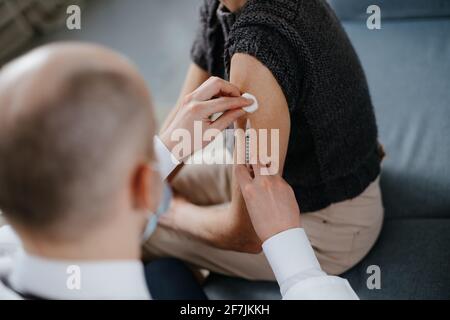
pixel 252 108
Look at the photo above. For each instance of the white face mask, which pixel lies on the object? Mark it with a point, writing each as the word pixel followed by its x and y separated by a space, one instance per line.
pixel 162 208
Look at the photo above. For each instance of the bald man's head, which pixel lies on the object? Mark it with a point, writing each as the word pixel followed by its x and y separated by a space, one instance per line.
pixel 74 121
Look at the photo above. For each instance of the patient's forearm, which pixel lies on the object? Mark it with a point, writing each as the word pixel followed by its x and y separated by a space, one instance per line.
pixel 216 226
pixel 199 222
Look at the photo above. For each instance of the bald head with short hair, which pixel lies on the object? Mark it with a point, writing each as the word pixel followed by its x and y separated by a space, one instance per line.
pixel 74 121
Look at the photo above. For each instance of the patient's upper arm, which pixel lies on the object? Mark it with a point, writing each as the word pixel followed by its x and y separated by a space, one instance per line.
pixel 253 77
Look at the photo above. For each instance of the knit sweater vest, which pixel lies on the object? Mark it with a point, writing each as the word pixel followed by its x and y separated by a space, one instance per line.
pixel 333 152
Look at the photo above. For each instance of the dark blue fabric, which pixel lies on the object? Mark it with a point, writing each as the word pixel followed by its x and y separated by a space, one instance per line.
pixel 171 279
pixel 219 287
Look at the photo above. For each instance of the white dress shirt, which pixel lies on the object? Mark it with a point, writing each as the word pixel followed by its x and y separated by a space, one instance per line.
pixel 60 279
pixel 289 254
pixel 166 160
pixel 78 280
pixel 298 272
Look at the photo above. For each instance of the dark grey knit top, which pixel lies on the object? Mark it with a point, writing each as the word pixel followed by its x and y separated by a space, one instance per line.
pixel 333 152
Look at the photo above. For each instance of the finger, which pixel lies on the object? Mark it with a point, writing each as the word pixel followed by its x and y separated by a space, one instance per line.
pixel 243 176
pixel 224 104
pixel 257 169
pixel 263 169
pixel 226 119
pixel 214 87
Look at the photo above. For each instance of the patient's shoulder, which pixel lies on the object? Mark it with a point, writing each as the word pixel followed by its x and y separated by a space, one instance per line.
pixel 270 51
pixel 267 31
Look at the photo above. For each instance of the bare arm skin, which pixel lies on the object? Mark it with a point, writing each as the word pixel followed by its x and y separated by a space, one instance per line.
pixel 230 228
pixel 248 74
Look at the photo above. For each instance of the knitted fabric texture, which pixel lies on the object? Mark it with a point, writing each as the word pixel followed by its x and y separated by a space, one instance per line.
pixel 333 152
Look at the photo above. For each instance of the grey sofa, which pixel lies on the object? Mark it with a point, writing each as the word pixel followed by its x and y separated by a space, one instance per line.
pixel 407 63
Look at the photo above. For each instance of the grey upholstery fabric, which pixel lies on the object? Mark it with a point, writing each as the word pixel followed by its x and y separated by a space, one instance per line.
pixel 408 68
pixel 392 9
pixel 414 258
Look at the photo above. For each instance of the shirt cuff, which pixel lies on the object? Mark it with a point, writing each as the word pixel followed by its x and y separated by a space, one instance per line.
pixel 167 161
pixel 289 254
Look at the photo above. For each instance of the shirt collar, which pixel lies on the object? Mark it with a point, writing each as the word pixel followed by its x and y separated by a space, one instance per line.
pixel 58 279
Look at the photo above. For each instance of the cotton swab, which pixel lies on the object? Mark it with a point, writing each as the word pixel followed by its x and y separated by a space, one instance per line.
pixel 252 108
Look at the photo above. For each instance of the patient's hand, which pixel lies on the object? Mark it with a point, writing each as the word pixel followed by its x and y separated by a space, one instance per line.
pixel 215 225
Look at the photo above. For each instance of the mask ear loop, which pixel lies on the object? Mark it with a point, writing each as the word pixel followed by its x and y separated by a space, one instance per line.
pixel 156 168
pixel 167 196
pixel 164 204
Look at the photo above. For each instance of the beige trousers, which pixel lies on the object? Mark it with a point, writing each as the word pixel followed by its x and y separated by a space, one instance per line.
pixel 341 234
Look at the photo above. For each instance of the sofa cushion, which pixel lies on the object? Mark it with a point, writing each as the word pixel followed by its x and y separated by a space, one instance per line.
pixel 412 254
pixel 407 65
pixel 414 259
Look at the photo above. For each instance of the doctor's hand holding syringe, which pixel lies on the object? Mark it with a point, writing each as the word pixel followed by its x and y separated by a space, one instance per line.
pixel 276 218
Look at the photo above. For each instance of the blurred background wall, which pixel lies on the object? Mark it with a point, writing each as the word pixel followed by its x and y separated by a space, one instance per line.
pixel 155 34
